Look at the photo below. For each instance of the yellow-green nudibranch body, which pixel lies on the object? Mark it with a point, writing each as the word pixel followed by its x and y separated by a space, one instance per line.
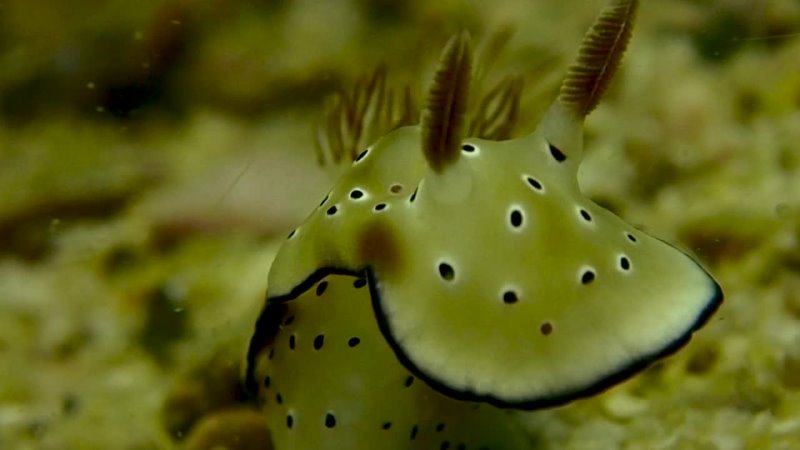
pixel 444 281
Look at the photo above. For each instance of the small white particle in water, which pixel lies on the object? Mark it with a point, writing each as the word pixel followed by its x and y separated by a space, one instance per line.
pixel 138 36
pixel 90 85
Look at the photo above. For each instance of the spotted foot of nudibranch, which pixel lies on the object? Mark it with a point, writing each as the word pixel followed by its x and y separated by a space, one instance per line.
pixel 329 380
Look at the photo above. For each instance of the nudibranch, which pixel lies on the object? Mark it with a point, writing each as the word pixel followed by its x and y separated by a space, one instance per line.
pixel 446 279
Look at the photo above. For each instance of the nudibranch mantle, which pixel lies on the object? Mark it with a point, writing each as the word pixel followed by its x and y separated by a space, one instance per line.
pixel 332 239
pixel 518 290
pixel 491 276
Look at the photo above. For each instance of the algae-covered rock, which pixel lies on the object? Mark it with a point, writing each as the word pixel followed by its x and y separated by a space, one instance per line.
pixel 234 429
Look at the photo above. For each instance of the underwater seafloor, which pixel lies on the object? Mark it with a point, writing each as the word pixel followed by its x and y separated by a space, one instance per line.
pixel 153 156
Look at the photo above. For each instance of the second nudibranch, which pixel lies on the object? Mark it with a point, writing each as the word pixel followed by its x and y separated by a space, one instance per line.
pixel 473 268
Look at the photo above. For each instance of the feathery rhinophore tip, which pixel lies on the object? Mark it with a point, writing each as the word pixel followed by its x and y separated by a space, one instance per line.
pixel 444 118
pixel 598 58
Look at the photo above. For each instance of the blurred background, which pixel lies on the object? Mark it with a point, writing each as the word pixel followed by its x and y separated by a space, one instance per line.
pixel 154 154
